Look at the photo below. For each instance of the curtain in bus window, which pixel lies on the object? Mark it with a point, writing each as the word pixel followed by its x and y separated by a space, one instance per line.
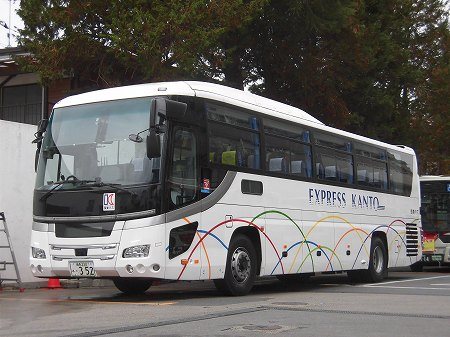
pixel 233 146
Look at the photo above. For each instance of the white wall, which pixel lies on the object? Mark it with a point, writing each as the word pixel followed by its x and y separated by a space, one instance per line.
pixel 16 192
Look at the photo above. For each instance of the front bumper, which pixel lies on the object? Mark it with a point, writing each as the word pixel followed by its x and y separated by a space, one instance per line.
pixel 104 252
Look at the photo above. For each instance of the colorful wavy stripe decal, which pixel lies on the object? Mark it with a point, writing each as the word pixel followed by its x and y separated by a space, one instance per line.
pixel 312 247
pixel 223 223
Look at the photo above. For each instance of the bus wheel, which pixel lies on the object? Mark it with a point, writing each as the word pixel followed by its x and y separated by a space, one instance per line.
pixel 240 271
pixel 132 286
pixel 378 261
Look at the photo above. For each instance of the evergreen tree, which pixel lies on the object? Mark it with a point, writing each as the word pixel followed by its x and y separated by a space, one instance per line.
pixel 128 41
pixel 379 68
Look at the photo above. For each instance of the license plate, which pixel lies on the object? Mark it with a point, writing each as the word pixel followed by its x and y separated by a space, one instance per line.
pixel 436 257
pixel 82 269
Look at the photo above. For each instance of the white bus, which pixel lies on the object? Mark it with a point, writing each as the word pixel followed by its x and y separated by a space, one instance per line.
pixel 435 211
pixel 198 181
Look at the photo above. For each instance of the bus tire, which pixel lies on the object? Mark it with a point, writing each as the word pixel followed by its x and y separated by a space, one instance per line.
pixel 240 271
pixel 378 261
pixel 132 286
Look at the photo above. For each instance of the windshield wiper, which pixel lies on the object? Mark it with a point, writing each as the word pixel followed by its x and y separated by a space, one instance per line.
pixel 98 183
pixel 91 183
pixel 59 183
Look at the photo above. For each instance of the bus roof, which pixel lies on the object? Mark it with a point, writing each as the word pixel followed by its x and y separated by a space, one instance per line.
pixel 220 93
pixel 434 178
pixel 188 88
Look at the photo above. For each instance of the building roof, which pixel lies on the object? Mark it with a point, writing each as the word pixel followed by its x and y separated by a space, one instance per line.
pixel 8 64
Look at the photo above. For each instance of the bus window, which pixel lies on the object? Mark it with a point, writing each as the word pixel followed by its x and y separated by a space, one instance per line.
pixel 332 142
pixel 289 157
pixel 400 176
pixel 183 175
pixel 344 165
pixel 286 130
pixel 371 173
pixel 278 156
pixel 334 166
pixel 233 146
pixel 230 116
pixel 370 151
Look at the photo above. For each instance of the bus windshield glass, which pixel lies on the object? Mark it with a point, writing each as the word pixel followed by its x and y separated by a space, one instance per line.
pixel 90 142
pixel 435 206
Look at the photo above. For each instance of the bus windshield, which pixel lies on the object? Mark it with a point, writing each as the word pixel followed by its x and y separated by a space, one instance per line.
pixel 90 143
pixel 435 206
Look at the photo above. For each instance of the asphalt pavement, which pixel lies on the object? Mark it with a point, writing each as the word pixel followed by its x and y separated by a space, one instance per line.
pixel 406 304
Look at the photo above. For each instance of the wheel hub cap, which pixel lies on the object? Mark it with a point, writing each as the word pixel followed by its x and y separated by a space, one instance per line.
pixel 377 260
pixel 240 265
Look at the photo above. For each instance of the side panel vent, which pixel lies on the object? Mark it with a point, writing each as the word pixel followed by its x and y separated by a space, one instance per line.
pixel 412 239
pixel 181 238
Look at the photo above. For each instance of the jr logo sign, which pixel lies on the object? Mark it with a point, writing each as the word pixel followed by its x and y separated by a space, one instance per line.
pixel 109 201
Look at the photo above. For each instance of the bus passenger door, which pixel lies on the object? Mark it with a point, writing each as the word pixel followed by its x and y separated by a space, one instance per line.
pixel 183 253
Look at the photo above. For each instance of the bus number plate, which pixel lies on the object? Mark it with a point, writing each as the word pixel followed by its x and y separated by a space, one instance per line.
pixel 436 258
pixel 82 269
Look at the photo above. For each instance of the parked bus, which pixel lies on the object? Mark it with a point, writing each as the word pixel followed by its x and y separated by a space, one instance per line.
pixel 198 181
pixel 435 211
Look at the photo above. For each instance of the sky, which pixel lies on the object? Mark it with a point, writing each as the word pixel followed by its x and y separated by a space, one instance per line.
pixel 15 22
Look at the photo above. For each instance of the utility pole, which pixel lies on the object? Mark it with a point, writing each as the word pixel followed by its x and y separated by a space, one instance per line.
pixel 9 25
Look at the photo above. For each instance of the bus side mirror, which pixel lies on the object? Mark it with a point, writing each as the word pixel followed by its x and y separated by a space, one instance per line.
pixel 153 145
pixel 40 130
pixel 36 159
pixel 161 110
pixel 42 126
pixel 166 109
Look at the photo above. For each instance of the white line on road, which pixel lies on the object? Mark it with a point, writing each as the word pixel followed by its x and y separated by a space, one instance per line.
pixel 440 284
pixel 409 280
pixel 401 287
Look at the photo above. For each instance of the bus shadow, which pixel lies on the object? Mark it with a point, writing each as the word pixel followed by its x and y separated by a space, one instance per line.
pixel 166 294
pixel 181 292
pixel 437 269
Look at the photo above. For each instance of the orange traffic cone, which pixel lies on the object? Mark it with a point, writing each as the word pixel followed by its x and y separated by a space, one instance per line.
pixel 53 283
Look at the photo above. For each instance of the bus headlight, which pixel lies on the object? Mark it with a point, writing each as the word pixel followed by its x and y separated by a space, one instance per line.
pixel 136 251
pixel 38 253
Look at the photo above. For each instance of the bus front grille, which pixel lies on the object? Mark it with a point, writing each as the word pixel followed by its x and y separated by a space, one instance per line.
pixel 412 239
